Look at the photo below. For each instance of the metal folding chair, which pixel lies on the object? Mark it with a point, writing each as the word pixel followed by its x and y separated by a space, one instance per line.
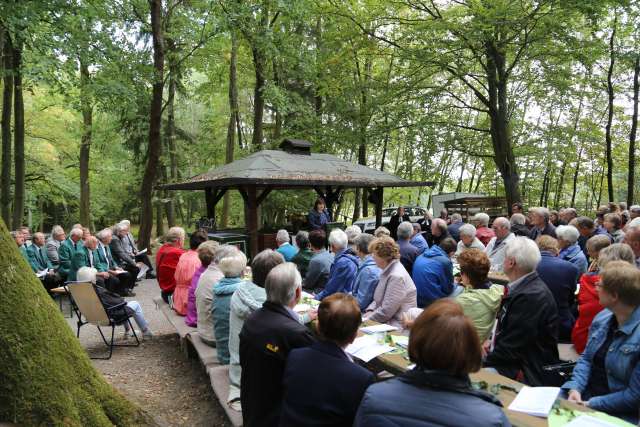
pixel 87 304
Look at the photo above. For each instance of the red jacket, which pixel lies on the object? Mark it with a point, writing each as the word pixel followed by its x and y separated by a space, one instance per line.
pixel 485 234
pixel 166 262
pixel 588 307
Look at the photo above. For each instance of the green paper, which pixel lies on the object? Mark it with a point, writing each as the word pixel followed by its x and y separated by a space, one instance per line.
pixel 559 420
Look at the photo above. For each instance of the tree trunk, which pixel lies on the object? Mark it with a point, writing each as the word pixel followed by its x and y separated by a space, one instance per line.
pixel 171 140
pixel 45 357
pixel 259 64
pixel 500 125
pixel 357 198
pixel 631 178
pixel 233 120
pixel 18 137
pixel 86 107
pixel 154 147
pixel 610 94
pixel 7 103
pixel 575 178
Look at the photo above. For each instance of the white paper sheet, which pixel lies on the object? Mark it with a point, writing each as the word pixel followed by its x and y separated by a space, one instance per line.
pixel 378 328
pixel 536 401
pixel 367 347
pixel 588 421
pixel 42 273
pixel 306 295
pixel 301 308
pixel 144 251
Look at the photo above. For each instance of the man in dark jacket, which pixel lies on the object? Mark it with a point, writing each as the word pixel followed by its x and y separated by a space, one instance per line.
pixel 561 278
pixel 266 339
pixel 454 227
pixel 541 226
pixel 395 221
pixel 408 252
pixel 527 332
pixel 120 255
pixel 439 231
pixel 322 385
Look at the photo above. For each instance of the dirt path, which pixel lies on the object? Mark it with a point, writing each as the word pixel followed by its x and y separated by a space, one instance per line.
pixel 157 376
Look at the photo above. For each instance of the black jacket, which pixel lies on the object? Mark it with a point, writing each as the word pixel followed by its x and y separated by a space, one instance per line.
pixel 520 230
pixel 119 254
pixel 527 332
pixel 322 387
pixel 394 222
pixel 266 339
pixel 548 230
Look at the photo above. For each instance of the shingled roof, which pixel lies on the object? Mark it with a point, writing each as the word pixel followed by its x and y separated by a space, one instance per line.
pixel 281 169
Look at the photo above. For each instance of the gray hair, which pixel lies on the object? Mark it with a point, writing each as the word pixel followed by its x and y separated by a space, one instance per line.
pixel 616 252
pixel 568 233
pixel 125 222
pixel 456 217
pixel 352 232
pixel 120 227
pixel 543 212
pixel 76 232
pixel 524 252
pixel 635 209
pixel 174 234
pixel 467 230
pixel 634 223
pixel 405 230
pixel 223 251
pixel 416 227
pixel 57 230
pixel 362 242
pixel 502 222
pixel 282 282
pixel 302 239
pixel 233 264
pixel 338 238
pixel 282 236
pixel 518 218
pixel 86 274
pixel 482 218
pixel 571 211
pixel 263 263
pixel 381 231
pixel 102 234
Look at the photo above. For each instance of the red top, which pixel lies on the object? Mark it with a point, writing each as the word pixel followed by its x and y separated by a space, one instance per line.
pixel 485 234
pixel 588 307
pixel 166 262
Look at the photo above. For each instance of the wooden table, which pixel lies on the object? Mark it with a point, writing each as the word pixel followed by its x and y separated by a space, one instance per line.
pixel 498 278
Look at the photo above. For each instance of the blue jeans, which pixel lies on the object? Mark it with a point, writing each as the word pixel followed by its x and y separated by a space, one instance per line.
pixel 138 316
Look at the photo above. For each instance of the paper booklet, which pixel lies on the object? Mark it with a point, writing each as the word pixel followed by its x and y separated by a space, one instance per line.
pixel 366 348
pixel 378 328
pixel 536 401
pixel 41 274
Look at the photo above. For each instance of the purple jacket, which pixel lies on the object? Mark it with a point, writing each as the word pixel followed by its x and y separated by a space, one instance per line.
pixel 192 313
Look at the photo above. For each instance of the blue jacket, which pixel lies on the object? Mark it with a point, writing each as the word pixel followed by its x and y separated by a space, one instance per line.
pixel 621 363
pixel 366 281
pixel 221 309
pixel 428 399
pixel 419 242
pixel 454 230
pixel 341 276
pixel 561 278
pixel 288 251
pixel 408 254
pixel 317 220
pixel 322 387
pixel 575 256
pixel 432 275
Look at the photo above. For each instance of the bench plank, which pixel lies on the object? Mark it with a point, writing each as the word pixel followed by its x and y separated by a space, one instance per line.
pixel 220 382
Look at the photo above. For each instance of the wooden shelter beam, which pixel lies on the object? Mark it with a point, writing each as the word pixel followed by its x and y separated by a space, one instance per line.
pixel 378 195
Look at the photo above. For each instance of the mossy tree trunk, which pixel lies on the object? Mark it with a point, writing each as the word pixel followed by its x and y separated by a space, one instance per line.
pixel 47 377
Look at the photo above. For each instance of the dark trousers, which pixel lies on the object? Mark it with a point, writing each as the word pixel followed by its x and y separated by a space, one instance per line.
pixel 127 279
pixel 145 260
pixel 113 284
pixel 165 296
pixel 133 271
pixel 51 281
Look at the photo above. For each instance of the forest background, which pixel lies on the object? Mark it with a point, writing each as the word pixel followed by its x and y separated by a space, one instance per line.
pixel 104 100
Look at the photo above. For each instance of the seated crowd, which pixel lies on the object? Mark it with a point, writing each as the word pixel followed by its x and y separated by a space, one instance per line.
pixel 565 279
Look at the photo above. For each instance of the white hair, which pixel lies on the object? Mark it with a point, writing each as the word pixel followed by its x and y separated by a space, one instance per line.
pixel 482 218
pixel 352 232
pixel 543 212
pixel 223 251
pixel 282 236
pixel 634 223
pixel 338 238
pixel 405 230
pixel 467 230
pixel 120 226
pixel 282 282
pixel 568 233
pixel 456 217
pixel 102 234
pixel 233 265
pixel 502 222
pixel 524 252
pixel 76 232
pixel 56 231
pixel 174 234
pixel 86 274
pixel 518 218
pixel 125 222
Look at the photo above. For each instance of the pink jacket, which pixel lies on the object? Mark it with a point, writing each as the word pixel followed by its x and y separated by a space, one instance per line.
pixel 187 266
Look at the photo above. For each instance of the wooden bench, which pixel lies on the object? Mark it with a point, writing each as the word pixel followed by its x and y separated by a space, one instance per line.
pixel 192 344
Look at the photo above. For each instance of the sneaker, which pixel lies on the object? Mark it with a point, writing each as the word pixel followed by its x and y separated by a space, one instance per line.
pixel 147 334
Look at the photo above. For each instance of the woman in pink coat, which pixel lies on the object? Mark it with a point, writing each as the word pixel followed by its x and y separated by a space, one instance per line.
pixel 187 266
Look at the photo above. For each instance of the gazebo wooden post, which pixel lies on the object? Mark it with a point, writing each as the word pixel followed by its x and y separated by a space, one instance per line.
pixel 208 198
pixel 251 203
pixel 379 196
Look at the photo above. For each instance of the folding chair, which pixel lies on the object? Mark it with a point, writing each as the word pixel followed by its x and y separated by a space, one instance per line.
pixel 88 304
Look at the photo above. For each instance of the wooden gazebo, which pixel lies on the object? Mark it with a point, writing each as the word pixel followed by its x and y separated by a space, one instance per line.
pixel 256 175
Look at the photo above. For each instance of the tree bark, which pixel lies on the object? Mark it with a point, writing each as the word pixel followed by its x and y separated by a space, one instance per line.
pixel 171 139
pixel 154 147
pixel 259 64
pixel 86 106
pixel 610 94
pixel 575 178
pixel 45 358
pixel 7 104
pixel 18 137
pixel 233 120
pixel 631 178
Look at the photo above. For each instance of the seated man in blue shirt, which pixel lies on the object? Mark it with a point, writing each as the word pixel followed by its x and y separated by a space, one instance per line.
pixel 433 272
pixel 319 264
pixel 418 240
pixel 368 273
pixel 344 268
pixel 286 249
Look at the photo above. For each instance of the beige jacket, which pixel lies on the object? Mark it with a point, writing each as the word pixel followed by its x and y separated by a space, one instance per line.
pixel 394 295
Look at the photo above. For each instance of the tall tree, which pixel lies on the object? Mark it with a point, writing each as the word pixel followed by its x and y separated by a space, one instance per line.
pixel 86 107
pixel 233 118
pixel 7 104
pixel 18 135
pixel 154 146
pixel 610 107
pixel 631 176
